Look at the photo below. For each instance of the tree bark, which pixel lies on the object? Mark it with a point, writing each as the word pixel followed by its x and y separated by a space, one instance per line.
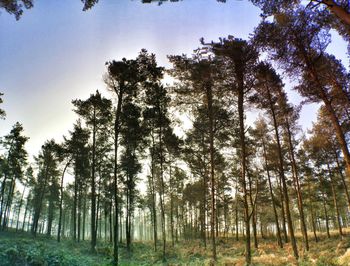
pixel 338 11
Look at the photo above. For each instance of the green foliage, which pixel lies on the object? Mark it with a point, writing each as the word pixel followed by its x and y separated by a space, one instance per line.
pixel 25 251
pixel 15 7
pixel 2 112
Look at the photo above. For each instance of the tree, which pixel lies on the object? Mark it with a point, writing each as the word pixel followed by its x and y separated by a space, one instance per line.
pixel 121 79
pixel 239 59
pixel 158 126
pixel 15 7
pixel 261 134
pixel 198 73
pixel 76 150
pixel 2 112
pixel 131 139
pixel 338 8
pixel 319 150
pixel 269 87
pixel 197 155
pixel 96 111
pixel 46 183
pixel 15 159
pixel 298 42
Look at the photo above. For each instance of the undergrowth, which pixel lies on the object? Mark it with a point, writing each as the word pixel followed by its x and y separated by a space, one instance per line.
pixel 22 249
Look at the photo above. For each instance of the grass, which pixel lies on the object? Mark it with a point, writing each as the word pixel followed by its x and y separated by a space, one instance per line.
pixel 22 249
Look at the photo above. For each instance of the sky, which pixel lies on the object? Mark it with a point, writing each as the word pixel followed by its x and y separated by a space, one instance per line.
pixel 56 52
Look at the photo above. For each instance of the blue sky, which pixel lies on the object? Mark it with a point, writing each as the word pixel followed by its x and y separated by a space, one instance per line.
pixel 56 52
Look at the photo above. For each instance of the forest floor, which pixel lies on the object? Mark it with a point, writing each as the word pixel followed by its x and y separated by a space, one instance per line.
pixel 22 249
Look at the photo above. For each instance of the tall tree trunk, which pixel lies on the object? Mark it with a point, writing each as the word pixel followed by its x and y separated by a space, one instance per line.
pixel 8 204
pixel 243 172
pixel 296 182
pixel 50 216
pixel 253 212
pixel 61 202
pixel 335 202
pixel 110 221
pixel 279 239
pixel 39 203
pixel 127 217
pixel 312 215
pixel 115 173
pixel 171 208
pixel 75 200
pixel 236 209
pixel 79 214
pixel 284 186
pixel 153 194
pixel 19 209
pixel 325 213
pixel 25 213
pixel 84 217
pixel 2 195
pixel 342 177
pixel 162 192
pixel 212 171
pixel 93 185
pixel 283 213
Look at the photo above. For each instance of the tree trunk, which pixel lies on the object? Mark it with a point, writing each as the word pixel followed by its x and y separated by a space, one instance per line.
pixel 248 255
pixel 312 214
pixel 61 203
pixel 19 209
pixel 279 239
pixel 335 202
pixel 209 99
pixel 284 186
pixel 115 177
pixel 153 194
pixel 297 184
pixel 342 178
pixel 25 213
pixel 8 204
pixel 93 185
pixel 325 214
pixel 161 192
pixel 338 11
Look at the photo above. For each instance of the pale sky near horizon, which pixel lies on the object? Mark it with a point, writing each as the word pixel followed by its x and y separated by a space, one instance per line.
pixel 56 52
